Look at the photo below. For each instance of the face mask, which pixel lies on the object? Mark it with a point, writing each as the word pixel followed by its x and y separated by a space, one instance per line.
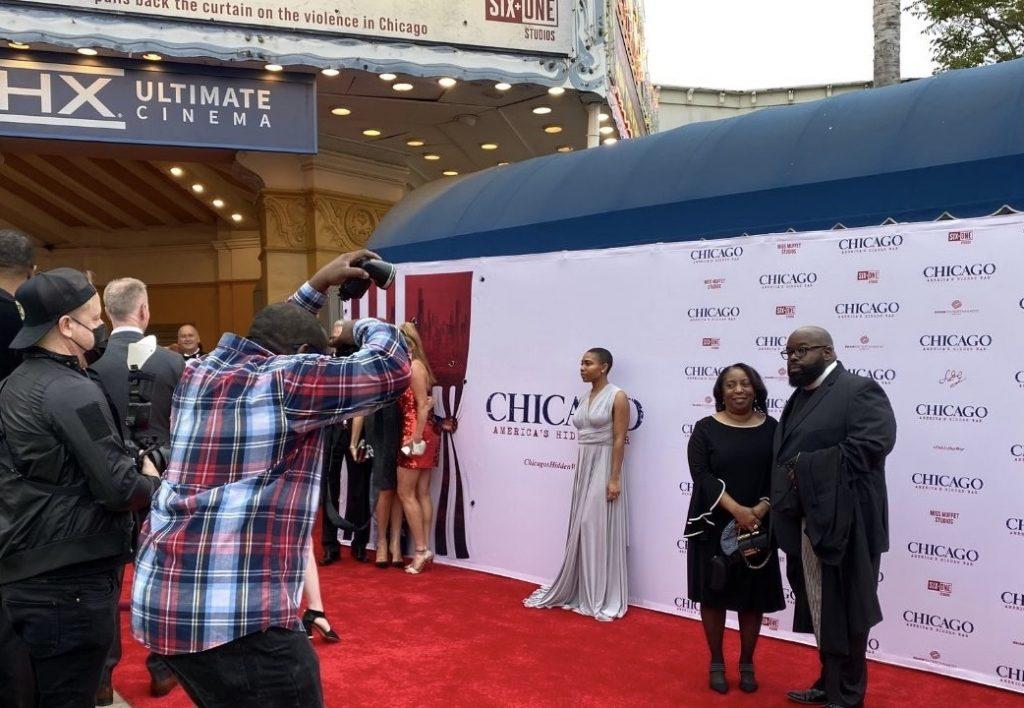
pixel 99 342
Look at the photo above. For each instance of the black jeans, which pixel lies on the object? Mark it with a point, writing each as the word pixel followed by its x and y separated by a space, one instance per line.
pixel 157 669
pixel 273 669
pixel 67 625
pixel 17 686
pixel 357 506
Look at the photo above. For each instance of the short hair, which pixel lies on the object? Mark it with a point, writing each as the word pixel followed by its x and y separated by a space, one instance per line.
pixel 760 390
pixel 122 297
pixel 284 327
pixel 338 323
pixel 16 250
pixel 603 356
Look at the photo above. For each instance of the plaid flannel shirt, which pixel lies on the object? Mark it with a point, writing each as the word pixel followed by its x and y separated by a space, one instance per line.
pixel 223 550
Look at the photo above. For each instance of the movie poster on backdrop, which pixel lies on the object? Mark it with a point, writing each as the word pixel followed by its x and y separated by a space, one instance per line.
pixel 933 312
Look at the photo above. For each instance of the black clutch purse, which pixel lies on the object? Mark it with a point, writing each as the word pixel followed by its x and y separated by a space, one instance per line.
pixel 751 547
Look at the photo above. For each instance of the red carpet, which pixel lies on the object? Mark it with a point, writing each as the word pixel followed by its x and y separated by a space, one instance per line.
pixel 453 637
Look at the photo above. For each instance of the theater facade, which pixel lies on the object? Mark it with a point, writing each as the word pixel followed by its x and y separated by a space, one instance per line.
pixel 223 150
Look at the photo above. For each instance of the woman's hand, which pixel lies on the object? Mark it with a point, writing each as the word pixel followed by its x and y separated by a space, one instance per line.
pixel 614 489
pixel 746 519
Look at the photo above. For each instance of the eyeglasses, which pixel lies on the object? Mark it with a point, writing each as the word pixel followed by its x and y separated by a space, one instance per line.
pixel 800 352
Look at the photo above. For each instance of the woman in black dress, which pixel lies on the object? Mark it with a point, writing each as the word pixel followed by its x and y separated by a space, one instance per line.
pixel 730 455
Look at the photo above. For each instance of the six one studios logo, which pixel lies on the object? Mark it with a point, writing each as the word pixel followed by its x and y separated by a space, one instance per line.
pixel 787 311
pixel 964 238
pixel 868 276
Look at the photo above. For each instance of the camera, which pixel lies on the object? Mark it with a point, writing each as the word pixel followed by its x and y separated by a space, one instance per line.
pixel 381 273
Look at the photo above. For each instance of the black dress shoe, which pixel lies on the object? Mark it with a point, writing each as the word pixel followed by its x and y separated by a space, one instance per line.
pixel 330 556
pixel 359 553
pixel 162 685
pixel 810 697
pixel 105 695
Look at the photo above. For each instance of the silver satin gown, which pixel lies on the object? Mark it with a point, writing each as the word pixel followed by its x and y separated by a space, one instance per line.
pixel 592 580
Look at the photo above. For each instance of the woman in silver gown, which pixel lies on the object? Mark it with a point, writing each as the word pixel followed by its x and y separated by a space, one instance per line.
pixel 592 580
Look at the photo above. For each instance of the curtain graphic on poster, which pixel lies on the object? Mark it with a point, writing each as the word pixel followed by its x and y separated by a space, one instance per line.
pixel 934 312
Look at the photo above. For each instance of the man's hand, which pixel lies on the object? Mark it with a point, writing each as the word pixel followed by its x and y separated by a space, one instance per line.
pixel 340 269
pixel 149 469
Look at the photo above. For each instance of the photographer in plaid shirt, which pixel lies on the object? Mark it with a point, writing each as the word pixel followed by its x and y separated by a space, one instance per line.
pixel 218 577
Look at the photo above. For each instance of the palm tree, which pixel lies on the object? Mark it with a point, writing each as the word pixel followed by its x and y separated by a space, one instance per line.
pixel 887 42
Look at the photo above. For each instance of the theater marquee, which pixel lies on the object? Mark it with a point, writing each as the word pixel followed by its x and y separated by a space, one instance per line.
pixel 535 26
pixel 62 97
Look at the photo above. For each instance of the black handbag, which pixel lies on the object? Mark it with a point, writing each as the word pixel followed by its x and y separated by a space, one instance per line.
pixel 751 547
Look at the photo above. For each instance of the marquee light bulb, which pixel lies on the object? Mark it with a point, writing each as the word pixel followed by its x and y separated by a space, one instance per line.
pixel 432 157
pixel 488 146
pixel 218 203
pixel 402 86
pixel 447 82
pixel 610 141
pixel 87 51
pixel 17 45
pixel 606 130
pixel 341 111
pixel 329 72
pixel 388 77
pixel 414 143
pixel 274 67
pixel 198 188
pixel 556 91
pixel 371 132
pixel 542 110
pixel 502 86
pixel 152 56
pixel 450 173
pixel 603 117
pixel 552 129
pixel 565 148
pixel 177 171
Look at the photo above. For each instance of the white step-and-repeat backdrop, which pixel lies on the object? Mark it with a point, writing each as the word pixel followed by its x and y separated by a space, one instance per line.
pixel 934 312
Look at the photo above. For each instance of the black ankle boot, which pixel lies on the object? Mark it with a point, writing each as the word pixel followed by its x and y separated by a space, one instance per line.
pixel 748 684
pixel 716 678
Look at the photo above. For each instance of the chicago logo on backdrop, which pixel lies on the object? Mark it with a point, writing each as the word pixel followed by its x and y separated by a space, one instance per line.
pixel 717 254
pixel 882 309
pixel 682 545
pixel 1015 525
pixel 867 276
pixel 1010 675
pixel 701 372
pixel 783 281
pixel 873 645
pixel 863 344
pixel 790 248
pixel 938 623
pixel 685 604
pixel 944 517
pixel 714 283
pixel 955 342
pixel 541 415
pixel 686 487
pixel 951 412
pixel 880 375
pixel 941 553
pixel 942 482
pixel 958 272
pixel 1018 377
pixel 965 238
pixel 776 405
pixel 956 308
pixel 940 586
pixel 1012 600
pixel 1017 452
pixel 870 244
pixel 770 342
pixel 787 311
pixel 715 313
pixel 687 430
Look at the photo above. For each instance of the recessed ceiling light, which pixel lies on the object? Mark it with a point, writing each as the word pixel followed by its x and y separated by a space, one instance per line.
pixel 502 86
pixel 556 91
pixel 610 141
pixel 388 77
pixel 274 67
pixel 152 56
pixel 177 171
pixel 414 143
pixel 447 82
pixel 542 110
pixel 371 132
pixel 341 111
pixel 488 146
pixel 329 72
pixel 236 217
pixel 606 130
pixel 450 173
pixel 17 45
pixel 217 203
pixel 87 51
pixel 402 86
pixel 502 164
pixel 198 188
pixel 602 117
pixel 552 129
pixel 431 156
pixel 565 148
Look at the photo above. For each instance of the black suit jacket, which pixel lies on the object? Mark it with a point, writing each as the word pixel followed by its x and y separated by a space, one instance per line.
pixel 163 369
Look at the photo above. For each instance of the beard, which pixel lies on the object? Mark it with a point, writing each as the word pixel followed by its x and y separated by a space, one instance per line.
pixel 807 374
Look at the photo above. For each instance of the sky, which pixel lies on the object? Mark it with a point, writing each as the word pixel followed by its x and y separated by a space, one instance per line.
pixel 751 44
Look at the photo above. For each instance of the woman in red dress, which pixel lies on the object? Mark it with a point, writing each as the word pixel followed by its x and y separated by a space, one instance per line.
pixel 420 445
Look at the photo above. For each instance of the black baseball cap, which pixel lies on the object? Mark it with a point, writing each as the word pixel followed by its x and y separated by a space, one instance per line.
pixel 47 297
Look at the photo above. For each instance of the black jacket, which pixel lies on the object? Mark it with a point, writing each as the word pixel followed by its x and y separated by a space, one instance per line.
pixel 160 375
pixel 68 500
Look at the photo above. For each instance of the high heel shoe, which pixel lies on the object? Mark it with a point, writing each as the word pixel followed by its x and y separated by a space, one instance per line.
pixel 716 678
pixel 397 560
pixel 309 618
pixel 748 684
pixel 382 557
pixel 422 561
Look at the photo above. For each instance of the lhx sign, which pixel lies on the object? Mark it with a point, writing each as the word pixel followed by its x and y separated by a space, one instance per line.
pixel 61 97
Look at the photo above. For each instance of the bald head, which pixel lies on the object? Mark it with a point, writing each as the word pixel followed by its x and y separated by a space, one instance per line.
pixel 813 335
pixel 809 352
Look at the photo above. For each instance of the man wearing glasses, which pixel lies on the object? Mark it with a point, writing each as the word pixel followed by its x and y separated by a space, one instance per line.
pixel 830 509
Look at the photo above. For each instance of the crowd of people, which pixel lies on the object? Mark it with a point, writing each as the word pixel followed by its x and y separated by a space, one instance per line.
pixel 203 468
pixel 207 470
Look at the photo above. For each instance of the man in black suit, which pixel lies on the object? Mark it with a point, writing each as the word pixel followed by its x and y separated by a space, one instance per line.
pixel 830 509
pixel 127 304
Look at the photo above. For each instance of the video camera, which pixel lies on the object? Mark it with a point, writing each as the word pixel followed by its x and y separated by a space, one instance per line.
pixel 137 414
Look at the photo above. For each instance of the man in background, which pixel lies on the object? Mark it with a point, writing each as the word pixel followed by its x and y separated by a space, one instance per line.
pixel 188 341
pixel 17 263
pixel 127 304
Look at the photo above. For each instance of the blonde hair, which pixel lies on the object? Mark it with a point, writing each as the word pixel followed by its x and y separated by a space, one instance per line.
pixel 412 336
